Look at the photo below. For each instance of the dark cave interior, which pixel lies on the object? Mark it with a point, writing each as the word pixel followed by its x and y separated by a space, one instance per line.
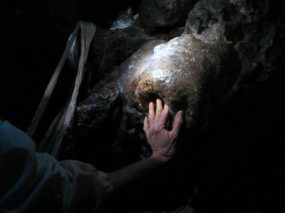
pixel 238 166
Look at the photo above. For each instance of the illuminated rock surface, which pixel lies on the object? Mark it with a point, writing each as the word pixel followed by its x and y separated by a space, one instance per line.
pixel 183 72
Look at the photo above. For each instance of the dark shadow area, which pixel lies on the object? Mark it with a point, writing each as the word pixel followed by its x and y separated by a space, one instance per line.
pixel 33 37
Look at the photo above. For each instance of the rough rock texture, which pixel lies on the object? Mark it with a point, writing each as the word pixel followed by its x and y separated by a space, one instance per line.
pixel 97 108
pixel 112 47
pixel 183 72
pixel 157 15
pixel 95 125
pixel 251 25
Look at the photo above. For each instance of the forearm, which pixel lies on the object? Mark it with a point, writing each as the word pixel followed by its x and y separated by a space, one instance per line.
pixel 134 171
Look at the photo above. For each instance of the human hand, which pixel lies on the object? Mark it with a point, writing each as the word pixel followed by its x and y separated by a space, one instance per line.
pixel 161 140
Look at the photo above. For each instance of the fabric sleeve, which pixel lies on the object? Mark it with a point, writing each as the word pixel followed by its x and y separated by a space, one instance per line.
pixel 36 182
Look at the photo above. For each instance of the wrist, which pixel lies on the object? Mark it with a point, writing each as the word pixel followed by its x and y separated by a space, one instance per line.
pixel 160 158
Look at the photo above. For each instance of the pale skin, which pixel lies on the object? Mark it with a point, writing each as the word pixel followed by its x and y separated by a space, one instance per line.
pixel 161 141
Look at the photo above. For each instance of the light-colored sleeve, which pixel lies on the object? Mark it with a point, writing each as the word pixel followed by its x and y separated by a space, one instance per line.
pixel 36 182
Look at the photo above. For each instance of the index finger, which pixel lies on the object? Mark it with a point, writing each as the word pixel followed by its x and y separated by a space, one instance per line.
pixel 159 106
pixel 164 114
pixel 151 111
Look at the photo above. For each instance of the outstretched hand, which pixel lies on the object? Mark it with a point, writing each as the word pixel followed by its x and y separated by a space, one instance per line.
pixel 161 140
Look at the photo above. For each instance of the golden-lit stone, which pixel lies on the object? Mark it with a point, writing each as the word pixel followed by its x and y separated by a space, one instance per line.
pixel 181 72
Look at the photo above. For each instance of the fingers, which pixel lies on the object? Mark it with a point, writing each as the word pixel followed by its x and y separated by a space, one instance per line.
pixel 164 114
pixel 159 106
pixel 158 115
pixel 146 124
pixel 177 123
pixel 151 111
pixel 154 113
